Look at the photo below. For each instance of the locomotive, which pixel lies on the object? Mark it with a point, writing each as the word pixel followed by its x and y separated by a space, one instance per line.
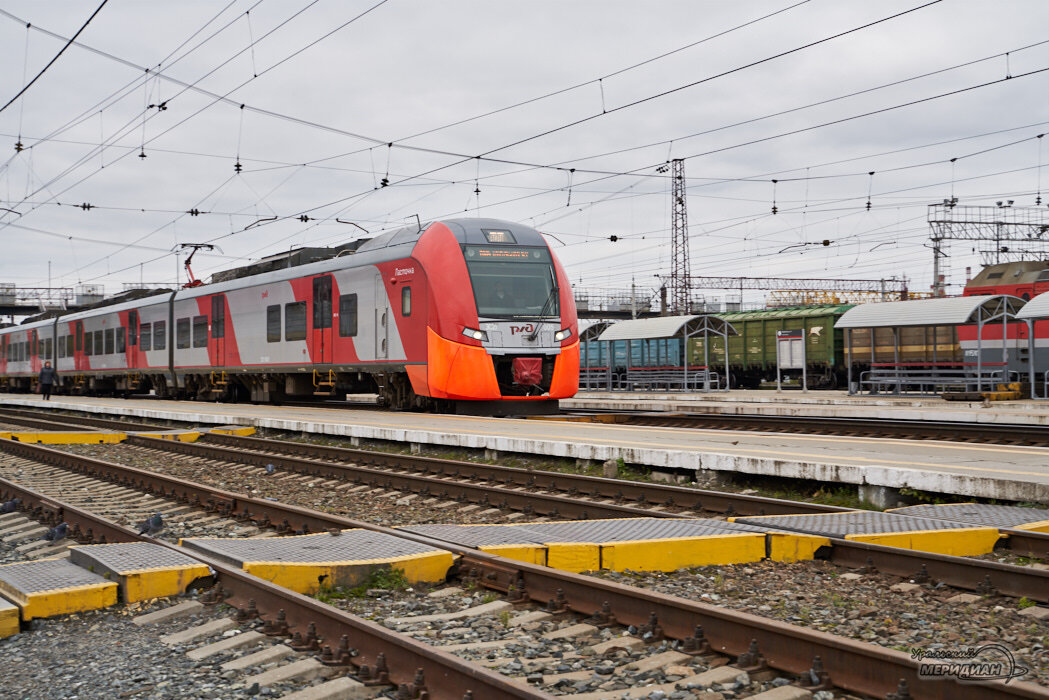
pixel 460 315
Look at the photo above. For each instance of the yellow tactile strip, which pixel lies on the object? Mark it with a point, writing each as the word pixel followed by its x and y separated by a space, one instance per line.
pixel 142 570
pixel 50 587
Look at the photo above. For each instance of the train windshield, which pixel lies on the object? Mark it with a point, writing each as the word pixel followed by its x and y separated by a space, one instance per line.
pixel 512 282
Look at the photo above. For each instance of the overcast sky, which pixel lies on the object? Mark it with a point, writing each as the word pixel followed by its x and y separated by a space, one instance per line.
pixel 327 85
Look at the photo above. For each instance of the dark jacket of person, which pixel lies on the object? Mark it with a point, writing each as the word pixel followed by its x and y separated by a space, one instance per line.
pixel 47 375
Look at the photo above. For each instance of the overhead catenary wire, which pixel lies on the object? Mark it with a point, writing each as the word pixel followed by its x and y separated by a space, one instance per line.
pixel 578 188
pixel 52 61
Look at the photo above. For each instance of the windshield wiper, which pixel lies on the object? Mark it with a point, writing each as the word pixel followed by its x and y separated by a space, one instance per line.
pixel 549 298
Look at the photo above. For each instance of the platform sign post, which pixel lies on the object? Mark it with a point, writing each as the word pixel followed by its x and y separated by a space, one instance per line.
pixel 790 354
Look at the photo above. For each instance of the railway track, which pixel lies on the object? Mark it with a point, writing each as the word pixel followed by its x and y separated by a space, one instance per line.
pixel 565 496
pixel 762 648
pixel 989 433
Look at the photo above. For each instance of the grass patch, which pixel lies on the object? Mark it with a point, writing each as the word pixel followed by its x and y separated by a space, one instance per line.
pixel 379 579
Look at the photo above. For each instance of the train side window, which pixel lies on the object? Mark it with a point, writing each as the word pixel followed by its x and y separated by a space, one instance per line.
pixel 110 341
pixel 160 335
pixel 182 337
pixel 273 323
pixel 99 342
pixel 61 346
pixel 322 302
pixel 48 348
pixel 89 345
pixel 147 337
pixel 121 340
pixel 218 316
pixel 79 335
pixel 295 321
pixel 348 315
pixel 69 346
pixel 132 328
pixel 406 301
pixel 200 331
pixel 32 344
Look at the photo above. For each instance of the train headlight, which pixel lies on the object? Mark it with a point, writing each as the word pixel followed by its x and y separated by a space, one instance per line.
pixel 562 334
pixel 475 334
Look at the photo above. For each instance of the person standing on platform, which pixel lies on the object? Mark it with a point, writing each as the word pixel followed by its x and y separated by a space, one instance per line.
pixel 47 379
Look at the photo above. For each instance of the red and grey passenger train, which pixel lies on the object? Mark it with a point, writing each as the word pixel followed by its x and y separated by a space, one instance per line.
pixel 467 315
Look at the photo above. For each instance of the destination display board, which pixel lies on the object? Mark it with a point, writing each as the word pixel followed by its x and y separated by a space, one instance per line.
pixel 506 254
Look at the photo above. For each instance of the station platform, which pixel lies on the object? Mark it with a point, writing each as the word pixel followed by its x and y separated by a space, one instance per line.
pixel 1007 473
pixel 306 563
pixel 889 529
pixel 831 403
pixel 638 544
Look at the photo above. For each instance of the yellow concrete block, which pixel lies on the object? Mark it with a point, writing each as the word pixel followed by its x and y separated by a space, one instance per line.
pixel 242 430
pixel 573 556
pixel 1039 526
pixel 62 601
pixel 157 583
pixel 684 552
pixel 528 553
pixel 5 435
pixel 176 435
pixel 785 546
pixel 69 438
pixel 9 619
pixel 308 578
pixel 962 542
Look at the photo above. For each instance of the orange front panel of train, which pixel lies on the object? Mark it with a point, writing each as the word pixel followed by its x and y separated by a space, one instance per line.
pixel 459 371
pixel 565 382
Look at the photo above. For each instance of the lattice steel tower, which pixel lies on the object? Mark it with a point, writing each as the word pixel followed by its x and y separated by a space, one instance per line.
pixel 1003 233
pixel 680 277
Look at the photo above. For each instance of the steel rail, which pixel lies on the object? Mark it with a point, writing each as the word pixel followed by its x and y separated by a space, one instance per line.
pixel 852 665
pixel 960 572
pixel 445 675
pixel 993 433
pixel 496 496
pixel 592 486
pixel 33 418
pixel 1021 542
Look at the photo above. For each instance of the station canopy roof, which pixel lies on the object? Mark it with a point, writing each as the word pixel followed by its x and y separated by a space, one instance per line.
pixel 1036 308
pixel 785 312
pixel 666 327
pixel 945 311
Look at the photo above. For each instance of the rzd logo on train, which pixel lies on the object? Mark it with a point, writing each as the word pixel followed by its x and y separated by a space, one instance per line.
pixel 527 328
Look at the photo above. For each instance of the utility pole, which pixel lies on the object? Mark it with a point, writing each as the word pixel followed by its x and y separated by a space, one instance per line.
pixel 680 276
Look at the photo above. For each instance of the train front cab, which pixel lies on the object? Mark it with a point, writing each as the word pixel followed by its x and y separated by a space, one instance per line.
pixel 503 334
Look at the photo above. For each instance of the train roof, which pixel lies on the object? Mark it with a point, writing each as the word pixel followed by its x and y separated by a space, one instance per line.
pixel 391 245
pixel 466 231
pixel 1018 272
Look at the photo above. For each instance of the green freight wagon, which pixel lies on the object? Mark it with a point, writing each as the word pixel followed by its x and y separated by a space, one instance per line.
pixel 752 353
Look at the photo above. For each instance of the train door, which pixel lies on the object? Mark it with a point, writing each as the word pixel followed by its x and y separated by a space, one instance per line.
pixel 132 339
pixel 218 328
pixel 322 314
pixel 382 319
